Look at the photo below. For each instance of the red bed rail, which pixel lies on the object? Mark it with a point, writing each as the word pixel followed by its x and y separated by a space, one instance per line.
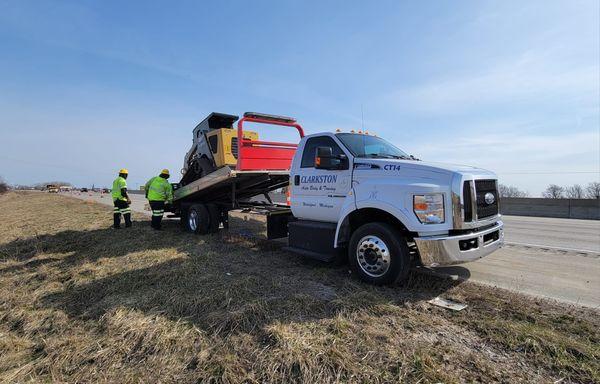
pixel 255 155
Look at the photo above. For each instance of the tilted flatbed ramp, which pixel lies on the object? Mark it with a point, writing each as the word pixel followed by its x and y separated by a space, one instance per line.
pixel 226 185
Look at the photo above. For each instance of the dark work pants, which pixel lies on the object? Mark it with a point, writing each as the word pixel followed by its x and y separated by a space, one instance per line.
pixel 158 209
pixel 121 208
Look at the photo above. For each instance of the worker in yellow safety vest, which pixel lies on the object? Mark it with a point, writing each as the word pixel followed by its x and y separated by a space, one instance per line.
pixel 159 192
pixel 121 200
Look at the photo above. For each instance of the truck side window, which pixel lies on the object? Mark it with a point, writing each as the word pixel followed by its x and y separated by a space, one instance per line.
pixel 310 149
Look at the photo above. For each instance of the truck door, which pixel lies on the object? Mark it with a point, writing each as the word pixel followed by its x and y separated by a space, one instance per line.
pixel 318 194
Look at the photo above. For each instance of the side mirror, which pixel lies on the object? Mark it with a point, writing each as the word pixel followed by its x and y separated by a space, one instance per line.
pixel 324 159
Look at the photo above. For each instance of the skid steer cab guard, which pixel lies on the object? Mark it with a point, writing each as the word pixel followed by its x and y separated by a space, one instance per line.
pixel 256 155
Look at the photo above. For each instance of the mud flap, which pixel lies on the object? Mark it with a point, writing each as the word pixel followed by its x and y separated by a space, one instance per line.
pixel 277 224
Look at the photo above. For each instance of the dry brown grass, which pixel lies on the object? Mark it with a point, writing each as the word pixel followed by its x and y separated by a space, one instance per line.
pixel 80 302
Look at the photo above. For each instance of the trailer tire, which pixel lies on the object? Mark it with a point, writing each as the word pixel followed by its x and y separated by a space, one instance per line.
pixel 214 214
pixel 197 219
pixel 379 254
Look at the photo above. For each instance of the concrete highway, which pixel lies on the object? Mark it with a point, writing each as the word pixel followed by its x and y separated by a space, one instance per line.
pixel 577 235
pixel 547 257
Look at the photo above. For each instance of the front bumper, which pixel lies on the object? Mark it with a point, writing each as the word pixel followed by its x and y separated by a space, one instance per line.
pixel 449 250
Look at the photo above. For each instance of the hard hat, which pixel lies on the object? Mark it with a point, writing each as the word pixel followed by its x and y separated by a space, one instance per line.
pixel 123 171
pixel 165 172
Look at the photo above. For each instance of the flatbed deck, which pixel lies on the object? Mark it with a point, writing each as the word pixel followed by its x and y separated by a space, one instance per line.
pixel 229 186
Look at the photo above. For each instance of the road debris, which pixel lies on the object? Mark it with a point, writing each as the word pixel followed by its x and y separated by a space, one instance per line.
pixel 448 304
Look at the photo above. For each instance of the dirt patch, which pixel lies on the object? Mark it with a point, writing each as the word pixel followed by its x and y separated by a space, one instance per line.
pixel 82 302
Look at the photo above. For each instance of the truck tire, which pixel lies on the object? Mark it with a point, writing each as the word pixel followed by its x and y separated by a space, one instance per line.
pixel 197 219
pixel 378 254
pixel 214 214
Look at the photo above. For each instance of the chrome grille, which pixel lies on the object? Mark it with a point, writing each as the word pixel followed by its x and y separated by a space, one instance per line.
pixel 483 187
pixel 469 208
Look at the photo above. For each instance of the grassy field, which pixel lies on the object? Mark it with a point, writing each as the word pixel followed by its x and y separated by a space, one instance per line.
pixel 80 302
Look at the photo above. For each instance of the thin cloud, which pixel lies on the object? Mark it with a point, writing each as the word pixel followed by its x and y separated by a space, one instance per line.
pixel 516 152
pixel 529 80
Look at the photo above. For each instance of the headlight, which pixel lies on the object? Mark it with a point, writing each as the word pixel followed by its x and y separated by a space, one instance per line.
pixel 429 208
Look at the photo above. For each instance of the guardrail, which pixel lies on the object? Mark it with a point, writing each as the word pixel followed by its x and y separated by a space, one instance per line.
pixel 561 208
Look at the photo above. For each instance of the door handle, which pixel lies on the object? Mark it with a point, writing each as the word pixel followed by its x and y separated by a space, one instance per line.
pixel 297 180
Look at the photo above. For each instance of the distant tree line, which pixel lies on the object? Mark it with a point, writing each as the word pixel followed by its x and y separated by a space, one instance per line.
pixel 3 186
pixel 554 191
pixel 591 191
pixel 510 191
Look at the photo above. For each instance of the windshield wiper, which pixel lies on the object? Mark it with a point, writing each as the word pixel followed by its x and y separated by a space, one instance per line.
pixel 376 155
pixel 386 156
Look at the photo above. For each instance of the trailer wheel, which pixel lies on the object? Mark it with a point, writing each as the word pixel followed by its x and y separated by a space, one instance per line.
pixel 197 219
pixel 379 254
pixel 214 214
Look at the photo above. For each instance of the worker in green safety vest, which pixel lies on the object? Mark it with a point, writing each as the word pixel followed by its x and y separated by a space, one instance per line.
pixel 121 200
pixel 159 192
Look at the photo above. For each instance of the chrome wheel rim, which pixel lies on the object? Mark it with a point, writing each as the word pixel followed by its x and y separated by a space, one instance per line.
pixel 373 256
pixel 193 220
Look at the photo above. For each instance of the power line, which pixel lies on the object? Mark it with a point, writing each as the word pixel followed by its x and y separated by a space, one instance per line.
pixel 78 170
pixel 546 172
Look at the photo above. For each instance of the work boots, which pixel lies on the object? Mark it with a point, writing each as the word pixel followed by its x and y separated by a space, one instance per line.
pixel 156 221
pixel 127 217
pixel 117 220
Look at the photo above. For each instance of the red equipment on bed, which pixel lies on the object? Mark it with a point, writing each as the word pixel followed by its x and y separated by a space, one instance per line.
pixel 256 155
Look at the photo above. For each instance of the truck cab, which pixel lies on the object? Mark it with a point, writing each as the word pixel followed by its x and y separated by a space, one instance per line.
pixel 357 196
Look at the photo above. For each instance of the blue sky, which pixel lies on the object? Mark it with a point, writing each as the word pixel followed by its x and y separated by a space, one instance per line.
pixel 88 87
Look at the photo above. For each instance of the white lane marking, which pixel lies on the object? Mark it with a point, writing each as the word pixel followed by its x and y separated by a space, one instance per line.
pixel 553 248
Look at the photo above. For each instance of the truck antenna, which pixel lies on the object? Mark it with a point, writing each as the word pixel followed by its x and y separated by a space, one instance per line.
pixel 362 118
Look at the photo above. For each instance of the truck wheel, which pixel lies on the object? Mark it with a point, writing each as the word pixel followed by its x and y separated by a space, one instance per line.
pixel 214 213
pixel 379 254
pixel 197 219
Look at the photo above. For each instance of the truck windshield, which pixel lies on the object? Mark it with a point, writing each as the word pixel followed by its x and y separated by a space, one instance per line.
pixel 370 146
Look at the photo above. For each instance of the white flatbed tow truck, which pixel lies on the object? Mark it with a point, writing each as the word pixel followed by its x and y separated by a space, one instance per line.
pixel 354 197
